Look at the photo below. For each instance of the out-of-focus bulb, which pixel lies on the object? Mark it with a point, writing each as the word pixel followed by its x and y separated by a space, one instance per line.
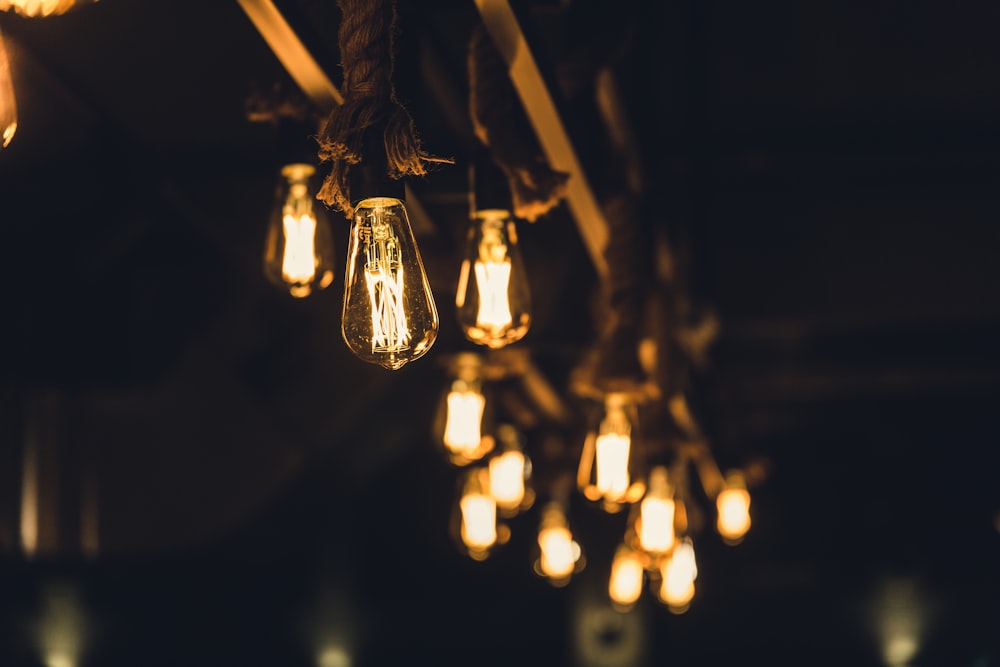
pixel 8 105
pixel 678 574
pixel 656 514
pixel 298 253
pixel 40 7
pixel 507 479
pixel 559 552
pixel 625 585
pixel 493 299
pixel 614 441
pixel 389 316
pixel 733 508
pixel 463 428
pixel 479 514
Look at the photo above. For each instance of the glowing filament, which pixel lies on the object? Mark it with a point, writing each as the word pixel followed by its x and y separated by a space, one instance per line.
pixel 507 479
pixel 558 557
pixel 384 278
pixel 462 430
pixel 656 524
pixel 612 464
pixel 733 513
pixel 625 585
pixel 479 516
pixel 679 572
pixel 493 279
pixel 298 264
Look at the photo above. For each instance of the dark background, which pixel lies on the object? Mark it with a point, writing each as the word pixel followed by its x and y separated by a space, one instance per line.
pixel 831 170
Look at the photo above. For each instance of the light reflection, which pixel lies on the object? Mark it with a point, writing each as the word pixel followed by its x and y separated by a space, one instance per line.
pixel 334 656
pixel 61 630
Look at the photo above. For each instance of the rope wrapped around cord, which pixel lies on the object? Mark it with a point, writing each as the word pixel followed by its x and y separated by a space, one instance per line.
pixel 366 40
pixel 500 123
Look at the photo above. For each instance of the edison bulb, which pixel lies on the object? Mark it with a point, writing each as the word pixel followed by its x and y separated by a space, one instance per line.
pixel 493 300
pixel 298 253
pixel 625 584
pixel 8 105
pixel 733 509
pixel 389 317
pixel 559 553
pixel 614 442
pixel 479 514
pixel 678 574
pixel 463 425
pixel 656 514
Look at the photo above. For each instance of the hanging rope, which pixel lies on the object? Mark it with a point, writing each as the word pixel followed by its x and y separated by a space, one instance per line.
pixel 500 123
pixel 366 39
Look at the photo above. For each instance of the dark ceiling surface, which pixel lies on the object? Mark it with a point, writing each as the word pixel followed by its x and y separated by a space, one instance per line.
pixel 830 172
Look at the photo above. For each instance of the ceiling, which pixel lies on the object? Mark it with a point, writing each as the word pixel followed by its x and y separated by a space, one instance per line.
pixel 827 177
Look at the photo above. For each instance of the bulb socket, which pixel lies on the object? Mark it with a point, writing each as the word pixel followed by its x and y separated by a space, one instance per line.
pixel 370 178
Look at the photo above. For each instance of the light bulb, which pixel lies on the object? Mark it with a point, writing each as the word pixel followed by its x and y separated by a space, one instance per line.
pixel 462 430
pixel 656 514
pixel 389 316
pixel 733 508
pixel 558 551
pixel 510 470
pixel 678 573
pixel 625 585
pixel 40 7
pixel 479 514
pixel 8 105
pixel 493 300
pixel 614 441
pixel 298 252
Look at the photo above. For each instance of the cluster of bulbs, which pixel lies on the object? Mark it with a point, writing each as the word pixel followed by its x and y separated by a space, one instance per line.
pixel 657 545
pixel 389 316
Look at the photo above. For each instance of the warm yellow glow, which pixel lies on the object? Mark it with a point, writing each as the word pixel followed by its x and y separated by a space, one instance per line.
pixel 612 453
pixel 733 506
pixel 507 479
pixel 334 656
pixel 40 7
pixel 62 627
pixel 8 105
pixel 492 279
pixel 679 572
pixel 558 557
pixel 479 521
pixel 462 429
pixel 625 585
pixel 298 264
pixel 59 660
pixel 657 514
pixel 656 524
pixel 389 317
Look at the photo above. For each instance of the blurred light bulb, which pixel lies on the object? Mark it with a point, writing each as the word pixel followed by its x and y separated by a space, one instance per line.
pixel 40 7
pixel 614 441
pixel 462 431
pixel 493 299
pixel 389 316
pixel 479 514
pixel 733 505
pixel 678 574
pixel 298 253
pixel 656 514
pixel 507 479
pixel 625 585
pixel 559 553
pixel 8 105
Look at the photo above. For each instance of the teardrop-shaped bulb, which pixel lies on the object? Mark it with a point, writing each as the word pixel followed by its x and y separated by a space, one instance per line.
pixel 389 315
pixel 493 300
pixel 8 106
pixel 298 252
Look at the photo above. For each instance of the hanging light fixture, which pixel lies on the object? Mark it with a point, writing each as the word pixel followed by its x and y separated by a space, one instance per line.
pixel 41 7
pixel 478 514
pixel 298 251
pixel 493 300
pixel 610 466
pixel 8 105
pixel 559 555
pixel 389 317
pixel 627 574
pixel 510 472
pixel 733 508
pixel 678 573
pixel 464 411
